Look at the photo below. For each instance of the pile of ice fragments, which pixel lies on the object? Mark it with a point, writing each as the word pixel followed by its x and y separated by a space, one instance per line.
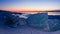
pixel 39 21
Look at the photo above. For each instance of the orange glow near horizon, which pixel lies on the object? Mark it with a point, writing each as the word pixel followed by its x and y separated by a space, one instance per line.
pixel 29 10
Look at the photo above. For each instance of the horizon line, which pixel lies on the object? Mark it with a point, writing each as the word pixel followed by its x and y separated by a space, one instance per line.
pixel 33 11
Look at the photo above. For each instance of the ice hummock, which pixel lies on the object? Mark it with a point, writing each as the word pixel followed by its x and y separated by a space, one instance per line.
pixel 39 21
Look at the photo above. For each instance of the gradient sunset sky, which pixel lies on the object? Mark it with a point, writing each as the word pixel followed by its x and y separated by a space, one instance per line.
pixel 29 5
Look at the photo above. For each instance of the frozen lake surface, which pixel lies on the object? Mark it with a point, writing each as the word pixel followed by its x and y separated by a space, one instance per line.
pixel 23 30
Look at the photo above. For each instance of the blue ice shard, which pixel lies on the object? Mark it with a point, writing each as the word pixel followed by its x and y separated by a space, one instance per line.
pixel 39 20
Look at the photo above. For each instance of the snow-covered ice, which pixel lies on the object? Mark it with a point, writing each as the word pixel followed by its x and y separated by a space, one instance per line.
pixel 24 30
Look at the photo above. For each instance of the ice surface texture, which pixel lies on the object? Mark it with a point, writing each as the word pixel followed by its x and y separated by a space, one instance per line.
pixel 12 19
pixel 38 21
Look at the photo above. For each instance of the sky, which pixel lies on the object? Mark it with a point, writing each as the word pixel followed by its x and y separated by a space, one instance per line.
pixel 29 5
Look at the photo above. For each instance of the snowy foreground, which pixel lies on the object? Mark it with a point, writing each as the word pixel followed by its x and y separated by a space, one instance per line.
pixel 23 30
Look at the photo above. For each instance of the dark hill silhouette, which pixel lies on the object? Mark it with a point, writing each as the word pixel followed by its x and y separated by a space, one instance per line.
pixel 54 11
pixel 4 11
